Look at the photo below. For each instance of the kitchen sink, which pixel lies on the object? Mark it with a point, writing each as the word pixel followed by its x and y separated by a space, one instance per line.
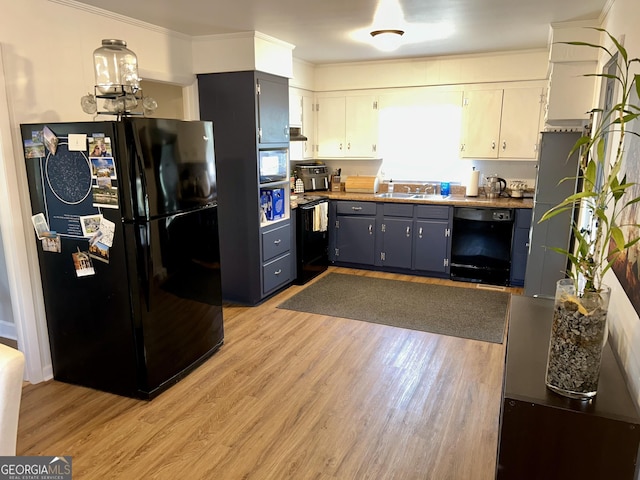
pixel 429 196
pixel 414 196
pixel 394 195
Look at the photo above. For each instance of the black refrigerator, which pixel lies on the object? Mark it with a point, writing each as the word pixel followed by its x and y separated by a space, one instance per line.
pixel 126 218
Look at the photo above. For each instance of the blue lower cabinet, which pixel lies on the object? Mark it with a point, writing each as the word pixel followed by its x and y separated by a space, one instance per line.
pixel 354 239
pixel 396 241
pixel 520 246
pixel 432 246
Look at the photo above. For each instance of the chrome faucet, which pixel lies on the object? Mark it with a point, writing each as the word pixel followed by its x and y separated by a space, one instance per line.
pixel 429 186
pixel 408 189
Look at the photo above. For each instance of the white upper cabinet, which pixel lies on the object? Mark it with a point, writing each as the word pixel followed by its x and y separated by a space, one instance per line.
pixel 347 126
pixel 295 107
pixel 520 125
pixel 501 123
pixel 481 114
pixel 301 114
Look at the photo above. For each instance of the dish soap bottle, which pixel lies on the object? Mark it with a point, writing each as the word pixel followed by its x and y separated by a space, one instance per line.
pixel 390 186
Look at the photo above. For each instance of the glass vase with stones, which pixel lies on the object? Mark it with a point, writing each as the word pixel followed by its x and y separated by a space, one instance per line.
pixel 578 336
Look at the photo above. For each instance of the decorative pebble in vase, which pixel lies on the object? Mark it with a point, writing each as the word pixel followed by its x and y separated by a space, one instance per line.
pixel 578 337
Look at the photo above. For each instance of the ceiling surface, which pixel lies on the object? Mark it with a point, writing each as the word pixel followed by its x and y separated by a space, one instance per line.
pixel 322 30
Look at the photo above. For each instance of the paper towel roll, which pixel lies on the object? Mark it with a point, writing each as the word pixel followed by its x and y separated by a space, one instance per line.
pixel 472 186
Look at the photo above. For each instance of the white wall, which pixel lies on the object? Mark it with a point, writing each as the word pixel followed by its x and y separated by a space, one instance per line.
pixel 46 55
pixel 453 70
pixel 7 325
pixel 623 320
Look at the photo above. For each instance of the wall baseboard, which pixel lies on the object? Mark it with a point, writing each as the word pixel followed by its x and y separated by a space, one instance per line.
pixel 8 330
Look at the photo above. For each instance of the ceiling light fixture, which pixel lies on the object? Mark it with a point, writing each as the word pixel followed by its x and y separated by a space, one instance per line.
pixel 387 40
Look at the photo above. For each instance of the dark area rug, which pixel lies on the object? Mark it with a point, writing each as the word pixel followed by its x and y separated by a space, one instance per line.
pixel 460 312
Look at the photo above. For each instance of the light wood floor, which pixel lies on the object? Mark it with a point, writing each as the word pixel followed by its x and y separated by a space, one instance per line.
pixel 290 396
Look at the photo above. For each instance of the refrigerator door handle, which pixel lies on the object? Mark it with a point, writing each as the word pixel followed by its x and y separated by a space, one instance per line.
pixel 145 271
pixel 141 195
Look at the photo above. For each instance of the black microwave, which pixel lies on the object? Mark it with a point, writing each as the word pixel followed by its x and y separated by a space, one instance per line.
pixel 273 165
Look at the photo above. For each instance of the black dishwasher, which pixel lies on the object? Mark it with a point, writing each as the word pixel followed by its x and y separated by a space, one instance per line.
pixel 312 237
pixel 481 245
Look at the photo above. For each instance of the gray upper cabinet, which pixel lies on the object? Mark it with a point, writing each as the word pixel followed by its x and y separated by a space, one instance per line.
pixel 273 111
pixel 249 111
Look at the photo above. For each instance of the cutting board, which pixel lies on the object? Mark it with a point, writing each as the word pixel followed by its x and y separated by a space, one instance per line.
pixel 361 184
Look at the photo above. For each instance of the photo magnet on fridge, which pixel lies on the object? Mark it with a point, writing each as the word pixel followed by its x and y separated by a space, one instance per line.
pixel 52 244
pixel 90 224
pixel 33 149
pixel 102 167
pixel 82 263
pixel 50 140
pixel 40 225
pixel 100 146
pixel 99 251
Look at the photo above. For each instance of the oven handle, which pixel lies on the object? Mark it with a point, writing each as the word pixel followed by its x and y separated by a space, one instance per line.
pixel 310 207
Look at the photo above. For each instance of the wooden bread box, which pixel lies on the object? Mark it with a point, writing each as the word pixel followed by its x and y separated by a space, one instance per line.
pixel 361 184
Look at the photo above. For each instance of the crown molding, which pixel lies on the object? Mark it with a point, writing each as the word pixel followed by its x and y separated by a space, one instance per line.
pixel 120 18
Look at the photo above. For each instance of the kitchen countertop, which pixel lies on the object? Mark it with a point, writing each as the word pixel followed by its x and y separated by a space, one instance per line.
pixel 455 200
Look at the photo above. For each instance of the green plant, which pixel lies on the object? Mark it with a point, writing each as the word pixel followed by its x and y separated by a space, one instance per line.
pixel 598 247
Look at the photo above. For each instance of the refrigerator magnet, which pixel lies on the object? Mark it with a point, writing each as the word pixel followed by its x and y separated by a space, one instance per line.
pixel 107 228
pixel 82 264
pixel 40 225
pixel 52 244
pixel 90 225
pixel 100 146
pixel 77 142
pixel 103 167
pixel 99 251
pixel 50 140
pixel 33 149
pixel 105 195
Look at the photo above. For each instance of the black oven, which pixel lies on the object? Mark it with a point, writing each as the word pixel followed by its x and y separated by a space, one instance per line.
pixel 481 245
pixel 312 237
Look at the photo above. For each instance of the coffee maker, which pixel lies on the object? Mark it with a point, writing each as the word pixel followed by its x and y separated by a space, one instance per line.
pixel 314 175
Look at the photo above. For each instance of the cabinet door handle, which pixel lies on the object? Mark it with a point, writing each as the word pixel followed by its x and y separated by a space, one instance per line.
pixel 493 145
pixel 278 272
pixel 408 231
pixel 341 146
pixel 349 146
pixel 504 145
pixel 420 232
pixel 370 229
pixel 356 209
pixel 277 242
